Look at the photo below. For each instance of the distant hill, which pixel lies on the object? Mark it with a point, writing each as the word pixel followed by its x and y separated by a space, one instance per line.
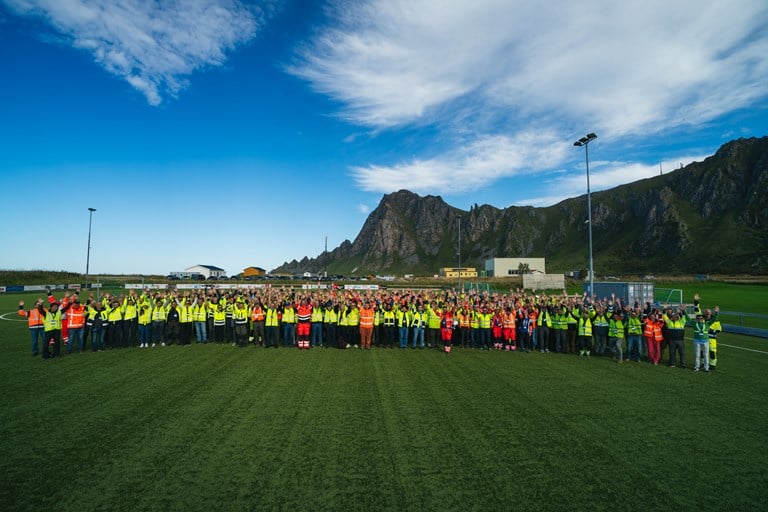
pixel 708 217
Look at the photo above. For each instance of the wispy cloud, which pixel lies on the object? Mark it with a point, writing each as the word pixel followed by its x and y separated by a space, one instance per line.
pixel 468 167
pixel 603 176
pixel 623 67
pixel 364 208
pixel 486 71
pixel 153 45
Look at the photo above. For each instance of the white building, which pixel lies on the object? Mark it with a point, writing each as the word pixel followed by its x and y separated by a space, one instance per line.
pixel 208 271
pixel 502 267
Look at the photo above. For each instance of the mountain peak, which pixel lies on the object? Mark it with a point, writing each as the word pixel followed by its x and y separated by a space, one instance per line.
pixel 708 217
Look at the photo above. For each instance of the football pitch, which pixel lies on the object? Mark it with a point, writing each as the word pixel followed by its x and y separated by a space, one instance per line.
pixel 213 427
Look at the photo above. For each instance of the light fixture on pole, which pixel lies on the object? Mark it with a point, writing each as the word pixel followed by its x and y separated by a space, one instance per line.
pixel 584 141
pixel 88 256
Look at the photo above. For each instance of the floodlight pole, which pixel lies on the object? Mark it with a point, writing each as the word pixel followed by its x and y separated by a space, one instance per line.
pixel 459 219
pixel 88 254
pixel 584 141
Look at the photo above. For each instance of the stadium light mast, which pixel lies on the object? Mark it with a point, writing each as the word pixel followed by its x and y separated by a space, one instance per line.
pixel 584 141
pixel 88 253
pixel 459 220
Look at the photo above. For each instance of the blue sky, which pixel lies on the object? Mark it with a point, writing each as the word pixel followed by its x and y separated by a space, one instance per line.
pixel 239 133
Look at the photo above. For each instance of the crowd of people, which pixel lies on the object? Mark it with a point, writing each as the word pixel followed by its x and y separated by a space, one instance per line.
pixel 518 321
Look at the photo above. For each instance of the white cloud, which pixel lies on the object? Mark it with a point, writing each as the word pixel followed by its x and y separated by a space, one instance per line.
pixel 153 45
pixel 490 71
pixel 603 176
pixel 620 67
pixel 364 208
pixel 468 167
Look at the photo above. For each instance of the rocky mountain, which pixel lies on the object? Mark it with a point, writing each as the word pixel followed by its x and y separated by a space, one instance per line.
pixel 708 217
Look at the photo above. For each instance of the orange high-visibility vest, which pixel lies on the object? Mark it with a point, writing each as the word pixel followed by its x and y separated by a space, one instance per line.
pixel 657 335
pixel 76 317
pixel 648 329
pixel 366 317
pixel 34 318
pixel 257 314
pixel 508 320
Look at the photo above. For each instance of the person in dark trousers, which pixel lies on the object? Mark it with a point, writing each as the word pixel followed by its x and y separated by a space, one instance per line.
pixel 172 325
pixel 52 338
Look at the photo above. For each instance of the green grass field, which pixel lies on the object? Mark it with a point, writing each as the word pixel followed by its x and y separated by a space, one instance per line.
pixel 218 428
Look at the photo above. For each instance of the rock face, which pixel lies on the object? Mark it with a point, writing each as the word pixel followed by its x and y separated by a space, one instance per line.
pixel 708 217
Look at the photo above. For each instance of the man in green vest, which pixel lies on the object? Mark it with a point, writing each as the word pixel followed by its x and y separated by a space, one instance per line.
pixel 52 326
pixel 675 322
pixel 634 335
pixel 616 334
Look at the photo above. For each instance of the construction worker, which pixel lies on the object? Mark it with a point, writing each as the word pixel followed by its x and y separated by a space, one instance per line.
pixel 544 325
pixel 52 338
pixel 75 323
pixel 303 323
pixel 701 340
pixel 584 317
pixel 98 318
pixel 388 317
pixel 714 327
pixel 115 326
pixel 145 324
pixel 186 321
pixel 200 316
pixel 464 317
pixel 634 335
pixel 616 333
pixel 158 322
pixel 258 317
pixel 418 324
pixel 130 321
pixel 330 321
pixel 288 320
pixel 403 320
pixel 271 325
pixel 366 325
pixel 675 322
pixel 240 316
pixel 560 326
pixel 36 323
pixel 316 329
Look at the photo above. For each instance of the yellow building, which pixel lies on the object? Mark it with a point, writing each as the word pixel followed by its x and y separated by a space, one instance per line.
pixel 254 272
pixel 458 272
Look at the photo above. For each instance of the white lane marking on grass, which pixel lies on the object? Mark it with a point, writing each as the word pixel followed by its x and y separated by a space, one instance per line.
pixel 743 348
pixel 2 317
